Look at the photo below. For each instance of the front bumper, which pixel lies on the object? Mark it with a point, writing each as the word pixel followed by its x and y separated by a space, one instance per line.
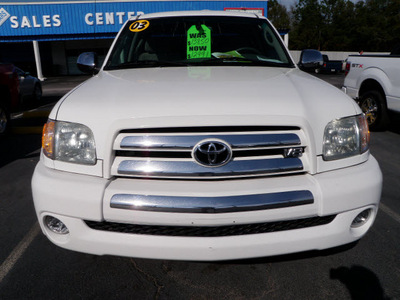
pixel 74 198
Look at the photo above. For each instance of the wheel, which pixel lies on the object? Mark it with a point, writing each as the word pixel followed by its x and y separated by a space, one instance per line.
pixel 373 105
pixel 4 120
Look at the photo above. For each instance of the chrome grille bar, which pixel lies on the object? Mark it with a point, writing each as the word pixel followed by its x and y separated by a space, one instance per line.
pixel 211 204
pixel 154 142
pixel 191 169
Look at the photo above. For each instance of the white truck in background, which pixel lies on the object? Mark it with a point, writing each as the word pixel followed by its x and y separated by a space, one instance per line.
pixel 374 81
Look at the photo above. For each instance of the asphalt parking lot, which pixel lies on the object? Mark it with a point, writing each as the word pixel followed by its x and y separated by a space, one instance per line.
pixel 33 268
pixel 32 119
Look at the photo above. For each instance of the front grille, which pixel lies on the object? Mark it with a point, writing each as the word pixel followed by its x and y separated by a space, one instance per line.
pixel 215 231
pixel 171 152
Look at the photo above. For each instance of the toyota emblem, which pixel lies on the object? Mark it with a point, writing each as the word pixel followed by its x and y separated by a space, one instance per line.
pixel 212 153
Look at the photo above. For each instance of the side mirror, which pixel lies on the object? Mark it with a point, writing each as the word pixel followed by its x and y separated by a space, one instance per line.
pixel 87 63
pixel 310 60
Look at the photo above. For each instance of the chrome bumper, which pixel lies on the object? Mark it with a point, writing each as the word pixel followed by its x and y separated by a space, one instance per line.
pixel 211 204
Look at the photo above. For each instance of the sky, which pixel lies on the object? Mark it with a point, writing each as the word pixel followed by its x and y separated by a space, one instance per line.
pixel 288 3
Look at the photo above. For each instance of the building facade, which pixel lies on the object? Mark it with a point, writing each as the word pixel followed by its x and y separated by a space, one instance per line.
pixel 46 37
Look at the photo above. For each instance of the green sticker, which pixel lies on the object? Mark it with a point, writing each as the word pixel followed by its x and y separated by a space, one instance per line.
pixel 198 42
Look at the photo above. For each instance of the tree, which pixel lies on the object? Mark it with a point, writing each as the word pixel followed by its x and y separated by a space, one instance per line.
pixel 278 15
pixel 338 21
pixel 370 25
pixel 307 21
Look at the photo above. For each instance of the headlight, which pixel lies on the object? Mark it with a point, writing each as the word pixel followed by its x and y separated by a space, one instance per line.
pixel 69 142
pixel 346 137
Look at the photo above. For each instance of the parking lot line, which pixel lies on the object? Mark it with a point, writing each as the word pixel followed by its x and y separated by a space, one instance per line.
pixel 15 255
pixel 390 212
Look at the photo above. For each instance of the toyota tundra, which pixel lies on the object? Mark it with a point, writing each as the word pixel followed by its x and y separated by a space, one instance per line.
pixel 199 138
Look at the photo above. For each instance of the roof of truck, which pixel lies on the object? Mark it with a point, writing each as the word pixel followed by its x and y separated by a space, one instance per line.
pixel 201 13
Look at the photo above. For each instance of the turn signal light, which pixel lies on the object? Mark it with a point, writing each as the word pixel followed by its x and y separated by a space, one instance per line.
pixel 48 139
pixel 347 70
pixel 364 133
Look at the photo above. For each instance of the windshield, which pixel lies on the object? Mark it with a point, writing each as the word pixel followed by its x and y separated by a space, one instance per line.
pixel 199 40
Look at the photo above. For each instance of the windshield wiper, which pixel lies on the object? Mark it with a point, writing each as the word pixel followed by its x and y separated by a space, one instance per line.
pixel 145 63
pixel 235 59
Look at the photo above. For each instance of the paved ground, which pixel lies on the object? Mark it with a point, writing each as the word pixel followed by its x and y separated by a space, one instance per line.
pixel 33 268
pixel 32 120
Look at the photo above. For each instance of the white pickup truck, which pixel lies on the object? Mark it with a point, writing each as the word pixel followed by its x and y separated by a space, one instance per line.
pixel 200 139
pixel 374 81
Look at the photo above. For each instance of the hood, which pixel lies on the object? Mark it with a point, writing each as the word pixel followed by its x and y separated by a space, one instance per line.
pixel 202 96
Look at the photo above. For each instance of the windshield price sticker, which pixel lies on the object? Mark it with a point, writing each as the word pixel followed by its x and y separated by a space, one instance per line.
pixel 198 42
pixel 139 25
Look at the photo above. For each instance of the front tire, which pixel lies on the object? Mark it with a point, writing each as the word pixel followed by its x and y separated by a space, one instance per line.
pixel 373 105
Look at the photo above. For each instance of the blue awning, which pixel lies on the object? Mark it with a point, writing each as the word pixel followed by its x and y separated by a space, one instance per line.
pixel 65 20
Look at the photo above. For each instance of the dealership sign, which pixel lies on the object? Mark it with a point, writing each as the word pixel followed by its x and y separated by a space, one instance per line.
pixel 42 20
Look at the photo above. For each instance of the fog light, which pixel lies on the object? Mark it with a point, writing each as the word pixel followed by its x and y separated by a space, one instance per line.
pixel 56 225
pixel 362 218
